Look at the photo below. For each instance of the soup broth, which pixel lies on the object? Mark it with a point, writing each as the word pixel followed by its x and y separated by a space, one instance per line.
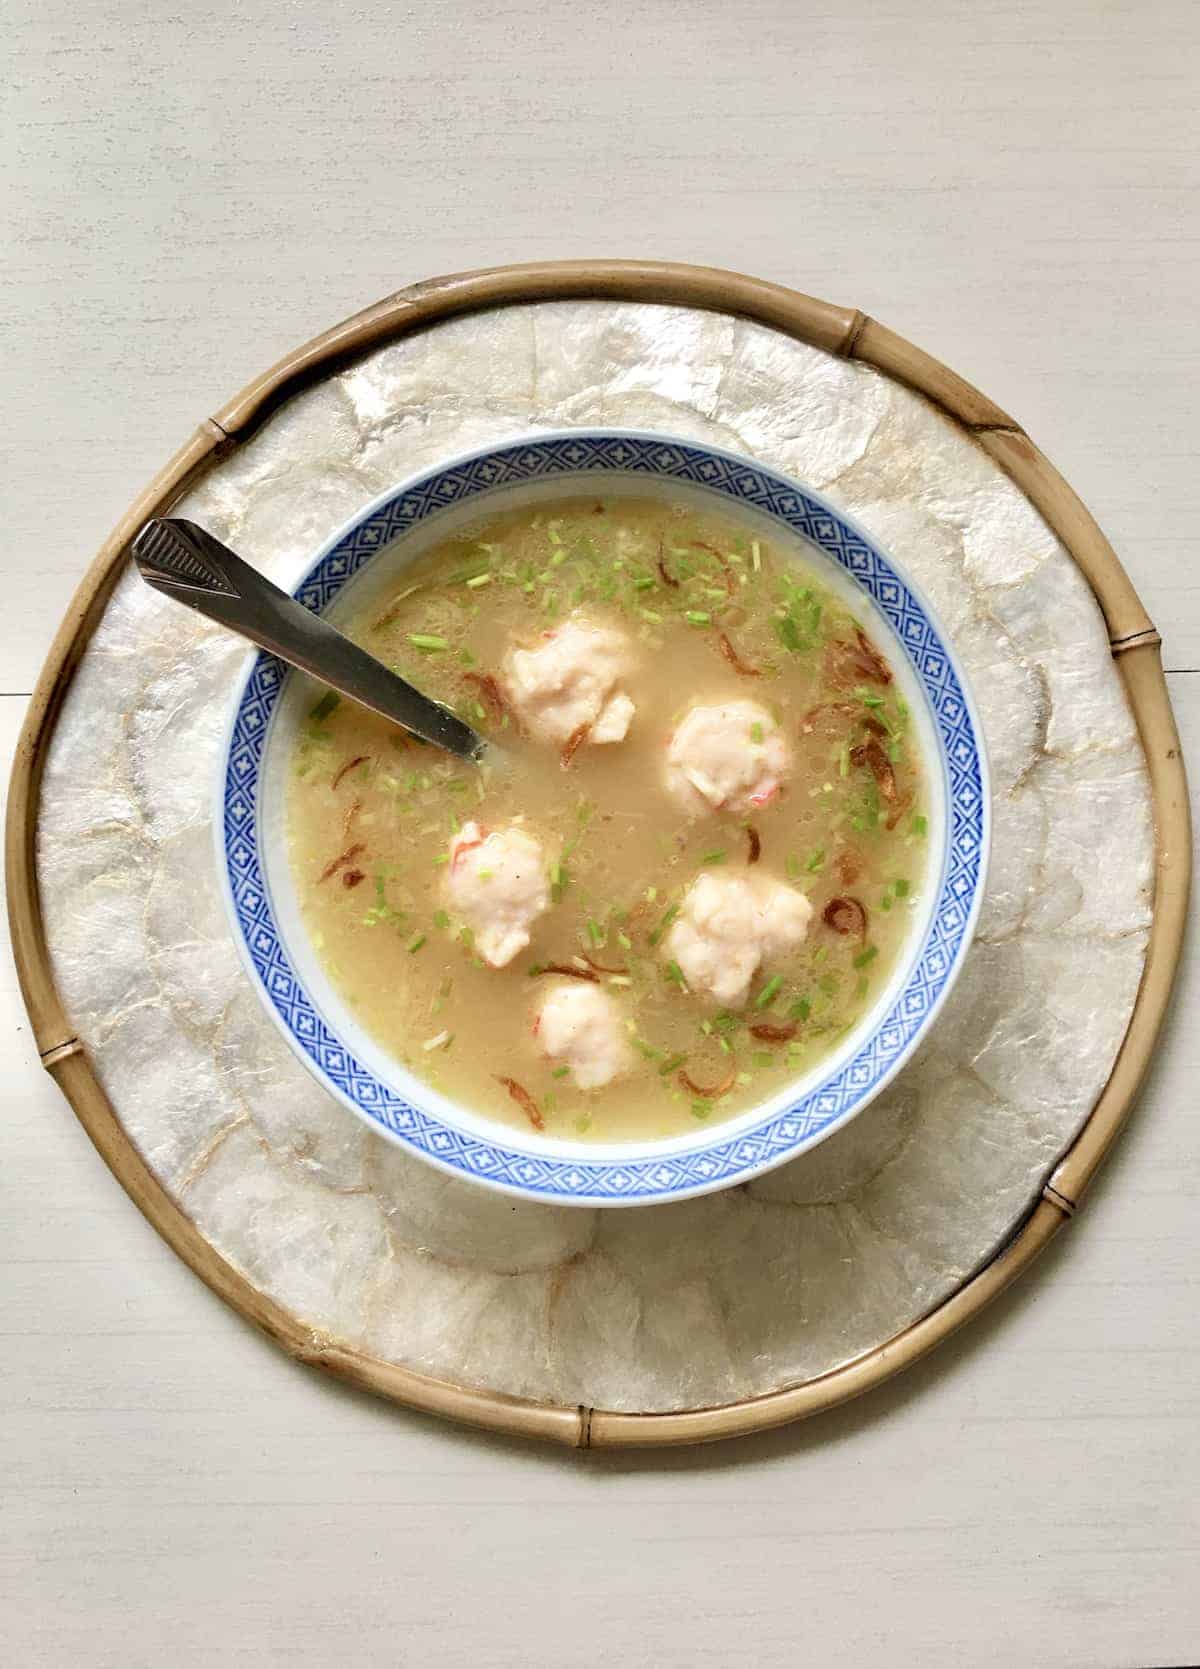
pixel 711 898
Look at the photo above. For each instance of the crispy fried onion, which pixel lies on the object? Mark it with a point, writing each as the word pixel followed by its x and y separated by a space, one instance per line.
pixel 727 572
pixel 600 967
pixel 877 762
pixel 713 1092
pixel 341 861
pixel 846 916
pixel 743 668
pixel 849 865
pixel 668 578
pixel 351 878
pixel 573 744
pixel 567 968
pixel 898 809
pixel 524 1101
pixel 846 710
pixel 361 759
pixel 768 1033
pixel 754 844
pixel 847 664
pixel 489 689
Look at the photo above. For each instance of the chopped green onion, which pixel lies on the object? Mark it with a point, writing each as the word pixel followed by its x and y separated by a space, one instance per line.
pixel 325 706
pixel 560 1071
pixel 844 760
pixel 697 617
pixel 756 555
pixel 919 826
pixel 756 733
pixel 479 579
pixel 866 956
pixel 668 917
pixel 595 933
pixel 428 641
pixel 769 991
pixel 900 888
pixel 816 861
pixel 643 583
pixel 714 857
pixel 800 1010
pixel 441 919
pixel 669 1066
pixel 415 943
pixel 787 633
pixel 675 973
pixel 624 941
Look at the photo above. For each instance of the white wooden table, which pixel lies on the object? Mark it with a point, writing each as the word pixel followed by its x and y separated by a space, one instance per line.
pixel 187 194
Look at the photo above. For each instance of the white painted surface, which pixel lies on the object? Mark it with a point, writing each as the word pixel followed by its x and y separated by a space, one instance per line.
pixel 186 197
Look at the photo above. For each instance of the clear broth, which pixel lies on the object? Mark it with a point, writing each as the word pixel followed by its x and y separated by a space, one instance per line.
pixel 703 601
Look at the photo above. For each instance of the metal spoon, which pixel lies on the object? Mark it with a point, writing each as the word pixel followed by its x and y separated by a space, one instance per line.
pixel 183 561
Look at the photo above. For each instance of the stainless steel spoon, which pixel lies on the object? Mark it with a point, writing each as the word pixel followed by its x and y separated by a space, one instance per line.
pixel 183 561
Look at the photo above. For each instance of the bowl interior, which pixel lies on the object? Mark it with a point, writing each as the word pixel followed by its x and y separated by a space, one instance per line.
pixel 365 559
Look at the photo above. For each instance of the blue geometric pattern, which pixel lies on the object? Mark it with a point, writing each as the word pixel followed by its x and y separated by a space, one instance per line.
pixel 710 1159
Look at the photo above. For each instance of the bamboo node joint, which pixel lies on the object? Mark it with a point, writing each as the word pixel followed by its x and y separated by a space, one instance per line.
pixel 60 1052
pixel 1067 1206
pixel 859 324
pixel 1147 638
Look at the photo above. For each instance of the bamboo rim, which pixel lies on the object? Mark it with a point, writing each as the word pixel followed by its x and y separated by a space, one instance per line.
pixel 847 333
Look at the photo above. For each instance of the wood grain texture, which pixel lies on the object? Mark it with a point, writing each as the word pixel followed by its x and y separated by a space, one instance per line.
pixel 190 194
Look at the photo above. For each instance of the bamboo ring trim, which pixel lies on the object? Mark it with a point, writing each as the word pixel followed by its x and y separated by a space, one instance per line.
pixel 842 331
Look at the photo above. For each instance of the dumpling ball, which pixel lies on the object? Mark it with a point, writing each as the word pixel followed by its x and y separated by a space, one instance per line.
pixel 579 1025
pixel 497 883
pixel 566 683
pixel 727 757
pixel 728 926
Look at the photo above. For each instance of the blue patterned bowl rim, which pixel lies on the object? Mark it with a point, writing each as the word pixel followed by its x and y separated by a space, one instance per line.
pixel 716 1157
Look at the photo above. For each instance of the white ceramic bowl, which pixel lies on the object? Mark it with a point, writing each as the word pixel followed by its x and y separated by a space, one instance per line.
pixel 316 1020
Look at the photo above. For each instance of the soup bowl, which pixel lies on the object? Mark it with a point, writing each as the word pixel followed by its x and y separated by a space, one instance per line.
pixel 316 1019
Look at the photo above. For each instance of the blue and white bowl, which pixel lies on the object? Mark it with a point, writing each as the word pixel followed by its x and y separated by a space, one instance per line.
pixel 316 1020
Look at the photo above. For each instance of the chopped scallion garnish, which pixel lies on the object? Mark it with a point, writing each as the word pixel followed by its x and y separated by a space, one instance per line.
pixel 668 917
pixel 769 991
pixel 325 706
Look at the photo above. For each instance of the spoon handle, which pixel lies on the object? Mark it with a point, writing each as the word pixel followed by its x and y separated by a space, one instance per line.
pixel 183 561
